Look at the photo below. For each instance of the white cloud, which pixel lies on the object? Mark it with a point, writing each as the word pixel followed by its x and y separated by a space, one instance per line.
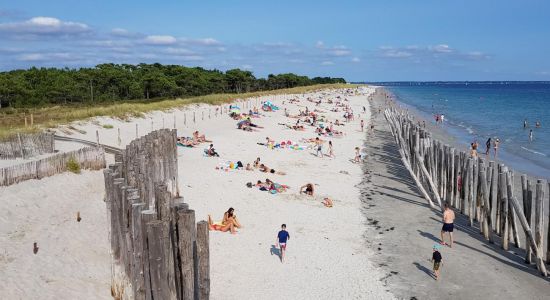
pixel 441 48
pixel 178 51
pixel 201 42
pixel 246 67
pixel 394 53
pixel 45 25
pixel 327 63
pixel 159 40
pixel 39 57
pixel 355 59
pixel 319 44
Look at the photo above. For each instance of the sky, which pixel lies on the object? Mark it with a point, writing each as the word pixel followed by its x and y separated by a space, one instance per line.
pixel 391 40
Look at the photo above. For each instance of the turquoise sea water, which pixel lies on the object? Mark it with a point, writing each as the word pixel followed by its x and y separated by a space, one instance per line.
pixel 476 111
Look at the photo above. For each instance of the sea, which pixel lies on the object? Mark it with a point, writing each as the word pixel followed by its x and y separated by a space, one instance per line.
pixel 479 110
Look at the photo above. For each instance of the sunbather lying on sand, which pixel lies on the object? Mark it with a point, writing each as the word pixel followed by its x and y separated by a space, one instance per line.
pixel 327 202
pixel 271 186
pixel 186 142
pixel 265 169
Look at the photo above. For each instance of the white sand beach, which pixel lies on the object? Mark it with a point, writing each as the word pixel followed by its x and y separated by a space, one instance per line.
pixel 327 255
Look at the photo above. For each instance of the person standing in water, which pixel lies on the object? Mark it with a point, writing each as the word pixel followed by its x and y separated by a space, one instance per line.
pixel 496 144
pixel 530 135
pixel 488 147
pixel 525 124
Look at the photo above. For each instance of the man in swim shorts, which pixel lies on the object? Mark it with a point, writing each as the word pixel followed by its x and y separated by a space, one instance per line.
pixel 282 237
pixel 448 224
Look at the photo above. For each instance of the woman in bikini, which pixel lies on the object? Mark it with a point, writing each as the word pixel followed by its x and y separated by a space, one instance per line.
pixel 230 218
pixel 220 227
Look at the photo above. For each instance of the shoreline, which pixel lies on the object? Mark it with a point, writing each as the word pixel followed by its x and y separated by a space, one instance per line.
pixel 403 230
pixel 453 135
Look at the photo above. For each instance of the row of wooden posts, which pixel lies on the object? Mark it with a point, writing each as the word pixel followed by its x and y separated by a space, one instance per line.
pixel 27 145
pixel 483 191
pixel 158 250
pixel 195 116
pixel 91 158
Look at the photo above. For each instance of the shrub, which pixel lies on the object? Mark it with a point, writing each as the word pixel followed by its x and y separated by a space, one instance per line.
pixel 73 166
pixel 108 126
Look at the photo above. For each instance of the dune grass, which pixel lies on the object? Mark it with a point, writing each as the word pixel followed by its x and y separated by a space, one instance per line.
pixel 13 122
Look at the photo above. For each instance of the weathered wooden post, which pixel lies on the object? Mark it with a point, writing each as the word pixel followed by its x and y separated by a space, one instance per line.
pixel 187 236
pixel 203 262
pixel 137 134
pixel 97 137
pixel 158 240
pixel 504 214
pixel 194 119
pixel 539 215
pixel 119 141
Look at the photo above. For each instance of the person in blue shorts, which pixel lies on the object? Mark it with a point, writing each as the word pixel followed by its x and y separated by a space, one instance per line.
pixel 282 237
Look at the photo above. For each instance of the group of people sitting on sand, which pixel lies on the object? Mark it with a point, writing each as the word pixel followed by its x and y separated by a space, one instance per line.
pixel 229 222
pixel 195 140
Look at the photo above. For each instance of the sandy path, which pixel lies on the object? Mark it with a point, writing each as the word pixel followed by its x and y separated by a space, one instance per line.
pixel 473 269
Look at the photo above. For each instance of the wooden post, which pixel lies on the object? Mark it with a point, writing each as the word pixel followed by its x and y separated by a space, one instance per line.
pixel 486 225
pixel 202 113
pixel 194 119
pixel 203 262
pixel 504 214
pixel 174 121
pixel 493 194
pixel 152 127
pixel 137 135
pixel 539 215
pixel 548 233
pixel 137 277
pixel 511 214
pixel 32 120
pixel 527 193
pixel 185 119
pixel 118 138
pixel 97 137
pixel 158 240
pixel 538 254
pixel 146 217
pixel 187 236
pixel 25 121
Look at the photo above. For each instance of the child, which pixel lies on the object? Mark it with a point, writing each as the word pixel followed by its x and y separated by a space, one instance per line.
pixel 436 259
pixel 357 158
pixel 282 238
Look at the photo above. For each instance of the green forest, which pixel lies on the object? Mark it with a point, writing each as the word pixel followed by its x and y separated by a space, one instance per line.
pixel 37 87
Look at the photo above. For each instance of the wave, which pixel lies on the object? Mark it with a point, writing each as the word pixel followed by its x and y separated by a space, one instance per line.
pixel 533 151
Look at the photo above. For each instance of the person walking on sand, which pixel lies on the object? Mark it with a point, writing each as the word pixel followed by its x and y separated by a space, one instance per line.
pixel 282 238
pixel 330 150
pixel 448 224
pixel 319 147
pixel 436 259
pixel 362 125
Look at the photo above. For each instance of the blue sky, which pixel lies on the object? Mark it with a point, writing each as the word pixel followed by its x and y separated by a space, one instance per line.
pixel 357 40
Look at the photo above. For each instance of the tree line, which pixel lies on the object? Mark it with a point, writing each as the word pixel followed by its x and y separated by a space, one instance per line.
pixel 119 82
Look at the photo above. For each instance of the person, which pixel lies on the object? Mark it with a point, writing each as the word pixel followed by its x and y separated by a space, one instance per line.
pixel 307 189
pixel 220 227
pixel 537 124
pixel 327 202
pixel 330 150
pixel 230 217
pixel 525 124
pixel 436 259
pixel 319 147
pixel 364 109
pixel 211 151
pixel 249 167
pixel 257 163
pixel 448 224
pixel 362 125
pixel 371 127
pixel 357 158
pixel 496 144
pixel 488 146
pixel 282 238
pixel 530 135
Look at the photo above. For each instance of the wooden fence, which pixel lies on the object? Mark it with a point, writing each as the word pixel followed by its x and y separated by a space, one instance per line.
pixel 88 158
pixel 486 194
pixel 27 145
pixel 158 250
